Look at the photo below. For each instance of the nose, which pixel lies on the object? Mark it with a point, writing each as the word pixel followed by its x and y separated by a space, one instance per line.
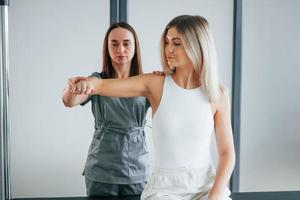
pixel 169 48
pixel 121 49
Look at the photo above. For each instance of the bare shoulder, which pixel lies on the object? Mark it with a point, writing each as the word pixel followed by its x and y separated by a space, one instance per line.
pixel 154 77
pixel 153 80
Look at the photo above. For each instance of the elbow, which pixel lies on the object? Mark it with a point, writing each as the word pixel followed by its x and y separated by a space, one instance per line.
pixel 66 98
pixel 67 103
pixel 228 155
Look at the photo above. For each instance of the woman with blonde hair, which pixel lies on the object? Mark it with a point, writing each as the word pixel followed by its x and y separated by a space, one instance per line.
pixel 188 105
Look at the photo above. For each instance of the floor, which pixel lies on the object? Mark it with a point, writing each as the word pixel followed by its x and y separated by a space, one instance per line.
pixel 235 196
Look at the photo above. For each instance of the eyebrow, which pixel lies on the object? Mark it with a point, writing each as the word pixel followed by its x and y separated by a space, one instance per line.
pixel 176 38
pixel 127 40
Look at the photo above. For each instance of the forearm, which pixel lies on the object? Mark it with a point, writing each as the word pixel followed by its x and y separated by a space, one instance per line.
pixel 223 173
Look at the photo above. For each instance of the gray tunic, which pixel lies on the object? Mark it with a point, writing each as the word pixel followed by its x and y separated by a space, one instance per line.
pixel 118 153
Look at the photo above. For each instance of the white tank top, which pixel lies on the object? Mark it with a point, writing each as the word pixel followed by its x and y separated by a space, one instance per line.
pixel 182 128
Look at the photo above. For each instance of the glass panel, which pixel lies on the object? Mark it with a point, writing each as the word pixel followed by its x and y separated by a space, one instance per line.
pixel 270 111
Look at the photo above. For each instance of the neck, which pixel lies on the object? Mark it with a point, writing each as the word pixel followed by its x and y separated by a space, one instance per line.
pixel 186 78
pixel 122 71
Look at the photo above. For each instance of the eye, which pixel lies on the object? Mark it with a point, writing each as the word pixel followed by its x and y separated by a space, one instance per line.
pixel 177 42
pixel 126 44
pixel 114 44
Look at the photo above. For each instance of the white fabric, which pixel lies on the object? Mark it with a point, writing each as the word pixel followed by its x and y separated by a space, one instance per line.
pixel 182 128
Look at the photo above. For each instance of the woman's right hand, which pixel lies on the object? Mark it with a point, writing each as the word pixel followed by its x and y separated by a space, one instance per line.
pixel 73 81
pixel 82 86
pixel 160 73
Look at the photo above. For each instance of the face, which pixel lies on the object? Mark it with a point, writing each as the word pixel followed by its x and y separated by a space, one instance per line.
pixel 174 50
pixel 121 46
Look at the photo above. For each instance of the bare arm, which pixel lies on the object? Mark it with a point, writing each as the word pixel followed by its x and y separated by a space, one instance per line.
pixel 128 87
pixel 225 147
pixel 148 85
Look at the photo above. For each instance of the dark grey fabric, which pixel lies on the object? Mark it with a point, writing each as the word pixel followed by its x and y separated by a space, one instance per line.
pixel 94 188
pixel 118 153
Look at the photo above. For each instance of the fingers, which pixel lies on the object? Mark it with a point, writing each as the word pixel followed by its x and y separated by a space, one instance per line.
pixel 79 78
pixel 71 85
pixel 73 81
pixel 82 88
pixel 160 73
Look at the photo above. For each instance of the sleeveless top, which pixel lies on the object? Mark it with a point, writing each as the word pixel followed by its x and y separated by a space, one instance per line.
pixel 118 153
pixel 182 128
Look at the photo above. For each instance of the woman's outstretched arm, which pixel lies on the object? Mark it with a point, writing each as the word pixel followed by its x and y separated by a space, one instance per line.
pixel 148 85
pixel 127 87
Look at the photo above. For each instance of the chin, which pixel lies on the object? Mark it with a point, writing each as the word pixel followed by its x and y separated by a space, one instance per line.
pixel 122 62
pixel 172 64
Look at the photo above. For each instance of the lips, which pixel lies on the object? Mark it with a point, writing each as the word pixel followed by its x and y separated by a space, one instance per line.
pixel 171 57
pixel 121 57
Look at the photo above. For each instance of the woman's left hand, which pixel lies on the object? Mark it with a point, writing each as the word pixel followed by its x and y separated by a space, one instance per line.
pixel 160 73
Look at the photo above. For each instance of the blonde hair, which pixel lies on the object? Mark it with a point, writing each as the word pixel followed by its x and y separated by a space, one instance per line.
pixel 200 48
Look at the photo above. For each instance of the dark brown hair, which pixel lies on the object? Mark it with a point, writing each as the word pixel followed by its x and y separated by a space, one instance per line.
pixel 136 63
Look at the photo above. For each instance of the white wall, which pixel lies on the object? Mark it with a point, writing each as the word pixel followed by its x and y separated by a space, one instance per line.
pixel 270 111
pixel 50 41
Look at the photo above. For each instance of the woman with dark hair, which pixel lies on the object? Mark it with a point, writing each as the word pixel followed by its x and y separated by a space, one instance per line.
pixel 117 162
